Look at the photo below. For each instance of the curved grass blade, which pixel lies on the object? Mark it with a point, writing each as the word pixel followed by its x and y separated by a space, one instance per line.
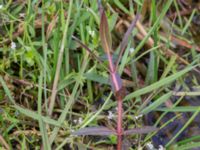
pixel 159 84
pixel 25 111
pixel 184 127
pixel 191 145
pixel 156 103
pixel 94 131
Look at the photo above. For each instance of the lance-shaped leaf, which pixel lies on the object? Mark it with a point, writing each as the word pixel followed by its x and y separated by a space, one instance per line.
pixel 106 38
pixel 144 130
pixel 94 131
pixel 105 33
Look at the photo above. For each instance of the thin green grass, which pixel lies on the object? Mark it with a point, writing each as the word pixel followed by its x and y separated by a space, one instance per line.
pixel 158 84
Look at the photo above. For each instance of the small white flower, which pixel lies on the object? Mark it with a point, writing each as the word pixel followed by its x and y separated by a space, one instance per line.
pixel 71 135
pixel 110 115
pixel 161 147
pixel 137 117
pixel 131 50
pixel 13 45
pixel 92 33
pixel 1 6
pixel 75 120
pixel 150 146
pixel 80 120
pixel 22 15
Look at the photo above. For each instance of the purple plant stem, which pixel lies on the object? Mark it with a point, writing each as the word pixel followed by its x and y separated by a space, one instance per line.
pixel 116 81
pixel 119 123
pixel 119 96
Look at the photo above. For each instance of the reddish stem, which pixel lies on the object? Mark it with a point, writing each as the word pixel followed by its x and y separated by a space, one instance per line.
pixel 119 124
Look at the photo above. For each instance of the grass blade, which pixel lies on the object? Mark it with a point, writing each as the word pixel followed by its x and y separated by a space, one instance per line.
pixel 158 84
pixel 156 103
pixel 154 27
pixel 59 63
pixel 25 111
pixel 42 125
pixel 185 126
pixel 179 109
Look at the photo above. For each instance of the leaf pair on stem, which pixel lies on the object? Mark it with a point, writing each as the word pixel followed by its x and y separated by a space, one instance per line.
pixel 116 82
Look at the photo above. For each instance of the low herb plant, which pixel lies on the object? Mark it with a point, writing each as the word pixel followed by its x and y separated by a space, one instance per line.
pixel 115 82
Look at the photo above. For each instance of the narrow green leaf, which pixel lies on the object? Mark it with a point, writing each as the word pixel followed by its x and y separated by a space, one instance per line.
pixel 42 125
pixel 95 77
pixel 7 91
pixel 121 6
pixel 36 116
pixel 185 126
pixel 179 109
pixel 188 22
pixel 191 145
pixel 43 130
pixel 169 66
pixel 25 111
pixel 97 113
pixel 154 27
pixel 156 103
pixel 158 84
